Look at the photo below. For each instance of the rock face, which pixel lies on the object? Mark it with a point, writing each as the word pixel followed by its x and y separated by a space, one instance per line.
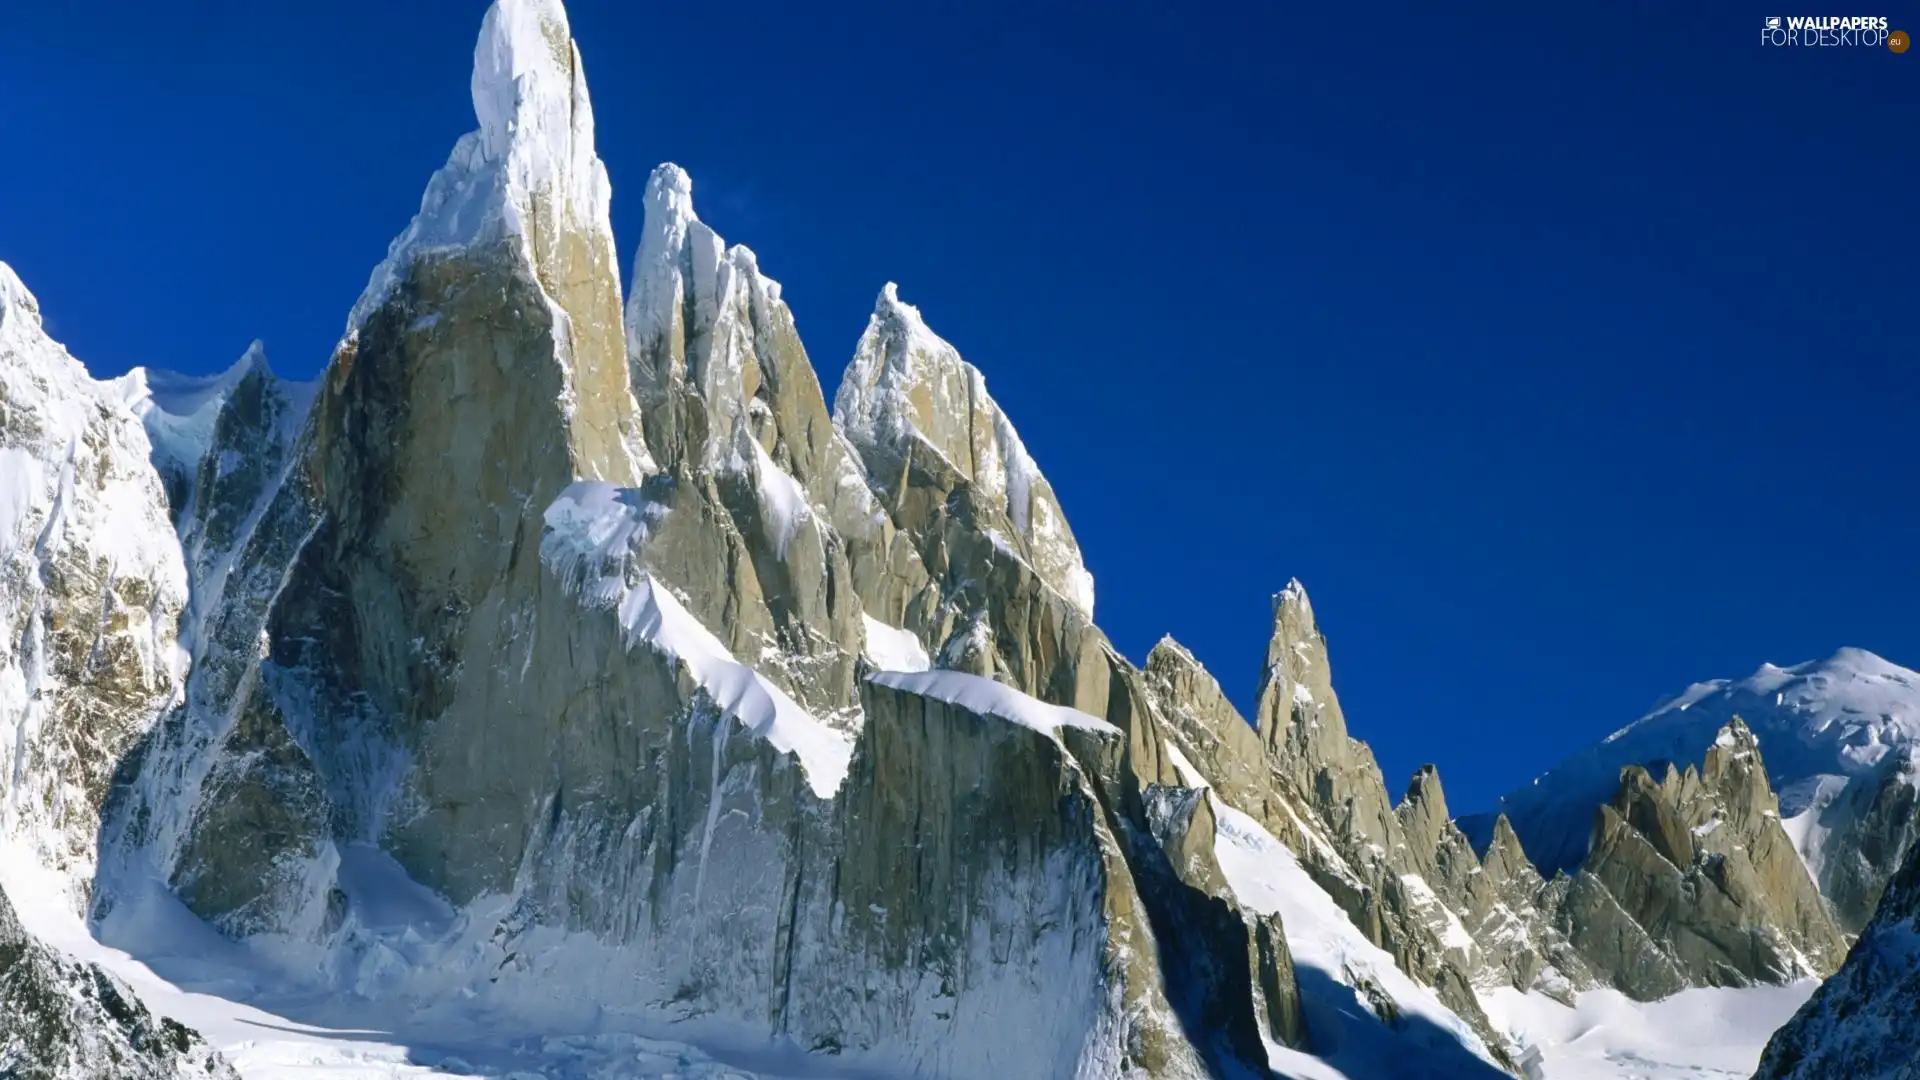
pixel 736 420
pixel 91 589
pixel 923 423
pixel 1307 782
pixel 1864 1022
pixel 1007 834
pixel 603 698
pixel 63 1020
pixel 1839 735
pixel 1701 885
pixel 575 623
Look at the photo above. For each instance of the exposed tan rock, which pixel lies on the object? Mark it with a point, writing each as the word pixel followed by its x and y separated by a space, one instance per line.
pixel 1318 791
pixel 91 589
pixel 1008 835
pixel 1699 864
pixel 923 424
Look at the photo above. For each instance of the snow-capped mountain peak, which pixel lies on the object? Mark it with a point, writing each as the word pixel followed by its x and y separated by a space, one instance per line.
pixel 1839 736
pixel 180 411
pixel 908 387
pixel 1846 712
pixel 531 98
pixel 19 311
pixel 529 172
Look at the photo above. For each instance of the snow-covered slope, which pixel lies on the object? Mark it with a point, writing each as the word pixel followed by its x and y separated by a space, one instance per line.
pixel 1838 735
pixel 1365 1016
pixel 1706 1033
pixel 1864 1022
pixel 271 1028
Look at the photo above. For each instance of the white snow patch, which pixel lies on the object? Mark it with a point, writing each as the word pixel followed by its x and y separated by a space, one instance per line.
pixel 1336 964
pixel 532 158
pixel 893 649
pixel 781 497
pixel 273 1027
pixel 20 484
pixel 1827 727
pixel 1189 775
pixel 180 411
pixel 985 697
pixel 651 614
pixel 1452 934
pixel 595 532
pixel 1700 1034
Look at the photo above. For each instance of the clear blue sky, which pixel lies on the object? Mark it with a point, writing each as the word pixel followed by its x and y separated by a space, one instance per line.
pixel 1567 355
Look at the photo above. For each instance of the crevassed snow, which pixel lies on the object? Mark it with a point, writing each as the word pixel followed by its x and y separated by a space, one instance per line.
pixel 272 1028
pixel 893 649
pixel 1836 718
pixel 594 532
pixel 985 697
pixel 1711 1033
pixel 1338 968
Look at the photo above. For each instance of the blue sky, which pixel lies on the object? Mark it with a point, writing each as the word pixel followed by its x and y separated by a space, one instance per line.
pixel 1567 357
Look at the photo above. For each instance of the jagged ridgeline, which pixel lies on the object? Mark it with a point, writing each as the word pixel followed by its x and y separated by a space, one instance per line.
pixel 662 693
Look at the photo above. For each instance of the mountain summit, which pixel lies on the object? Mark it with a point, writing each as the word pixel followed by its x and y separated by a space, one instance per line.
pixel 560 680
pixel 1840 738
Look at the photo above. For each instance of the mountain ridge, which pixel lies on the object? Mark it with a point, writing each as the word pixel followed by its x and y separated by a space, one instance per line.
pixel 1839 735
pixel 531 659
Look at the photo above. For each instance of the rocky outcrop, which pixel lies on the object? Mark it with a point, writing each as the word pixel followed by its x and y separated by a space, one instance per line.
pixel 924 426
pixel 567 620
pixel 1182 821
pixel 64 1020
pixel 1701 885
pixel 1864 1022
pixel 1839 734
pixel 91 590
pixel 738 427
pixel 1495 911
pixel 1866 826
pixel 1007 834
pixel 1310 784
pixel 359 635
pixel 1509 911
pixel 601 695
